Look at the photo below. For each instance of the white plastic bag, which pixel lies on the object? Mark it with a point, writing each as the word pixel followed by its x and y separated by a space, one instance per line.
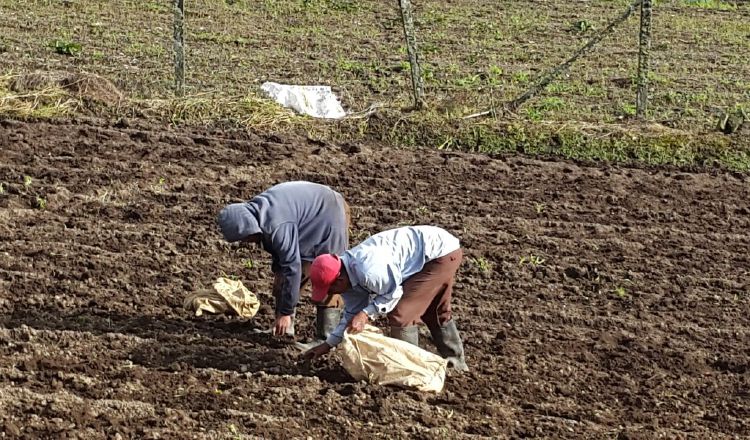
pixel 315 101
pixel 378 359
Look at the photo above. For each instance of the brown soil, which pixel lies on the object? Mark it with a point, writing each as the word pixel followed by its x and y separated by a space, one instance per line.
pixel 636 324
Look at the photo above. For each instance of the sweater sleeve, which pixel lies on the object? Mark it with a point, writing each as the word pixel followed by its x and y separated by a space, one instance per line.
pixel 337 335
pixel 285 250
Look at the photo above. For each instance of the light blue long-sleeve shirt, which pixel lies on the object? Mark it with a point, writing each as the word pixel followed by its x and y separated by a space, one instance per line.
pixel 379 265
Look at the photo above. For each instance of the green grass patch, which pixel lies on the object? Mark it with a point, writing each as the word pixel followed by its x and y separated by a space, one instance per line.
pixel 630 144
pixel 712 4
pixel 66 47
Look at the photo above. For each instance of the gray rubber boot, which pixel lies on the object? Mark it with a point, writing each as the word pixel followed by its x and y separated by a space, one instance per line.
pixel 409 334
pixel 449 345
pixel 326 320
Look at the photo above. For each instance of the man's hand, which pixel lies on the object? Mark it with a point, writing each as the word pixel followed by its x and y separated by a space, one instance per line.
pixel 283 323
pixel 358 322
pixel 317 351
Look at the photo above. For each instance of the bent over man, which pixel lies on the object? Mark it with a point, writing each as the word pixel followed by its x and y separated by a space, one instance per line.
pixel 294 222
pixel 406 274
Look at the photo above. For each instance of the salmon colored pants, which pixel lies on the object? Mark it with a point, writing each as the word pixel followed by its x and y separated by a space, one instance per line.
pixel 427 294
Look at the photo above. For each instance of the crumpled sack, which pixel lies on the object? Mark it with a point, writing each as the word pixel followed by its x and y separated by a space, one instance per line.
pixel 227 295
pixel 315 101
pixel 378 359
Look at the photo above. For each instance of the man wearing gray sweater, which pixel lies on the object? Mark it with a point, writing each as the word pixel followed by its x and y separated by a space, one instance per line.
pixel 295 222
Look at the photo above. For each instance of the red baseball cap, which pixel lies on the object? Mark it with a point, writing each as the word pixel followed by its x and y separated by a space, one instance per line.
pixel 323 272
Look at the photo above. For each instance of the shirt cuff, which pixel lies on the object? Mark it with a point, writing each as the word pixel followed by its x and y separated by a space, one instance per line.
pixel 285 311
pixel 334 340
pixel 371 311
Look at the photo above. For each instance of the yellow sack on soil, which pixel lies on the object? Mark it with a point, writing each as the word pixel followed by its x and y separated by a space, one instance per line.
pixel 378 359
pixel 227 294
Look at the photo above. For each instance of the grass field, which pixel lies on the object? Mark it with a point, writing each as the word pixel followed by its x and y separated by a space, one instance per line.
pixel 476 54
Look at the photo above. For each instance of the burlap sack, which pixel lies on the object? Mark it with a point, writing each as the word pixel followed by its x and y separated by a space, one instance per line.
pixel 227 295
pixel 378 359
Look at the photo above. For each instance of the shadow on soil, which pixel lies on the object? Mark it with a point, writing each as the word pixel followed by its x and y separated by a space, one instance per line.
pixel 181 344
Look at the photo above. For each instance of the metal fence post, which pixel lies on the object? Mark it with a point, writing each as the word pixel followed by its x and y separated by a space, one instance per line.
pixel 644 55
pixel 411 48
pixel 179 47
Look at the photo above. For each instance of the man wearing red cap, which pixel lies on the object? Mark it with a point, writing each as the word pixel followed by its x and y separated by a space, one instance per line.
pixel 406 274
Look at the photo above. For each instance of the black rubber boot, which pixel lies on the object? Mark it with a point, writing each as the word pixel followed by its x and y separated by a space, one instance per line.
pixel 449 345
pixel 326 320
pixel 409 334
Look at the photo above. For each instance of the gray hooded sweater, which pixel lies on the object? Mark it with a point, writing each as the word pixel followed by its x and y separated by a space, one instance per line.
pixel 298 221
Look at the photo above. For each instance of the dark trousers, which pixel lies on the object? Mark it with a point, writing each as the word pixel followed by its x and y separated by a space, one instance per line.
pixel 427 294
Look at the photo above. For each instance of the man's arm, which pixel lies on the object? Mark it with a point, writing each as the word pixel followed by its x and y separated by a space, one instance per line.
pixel 355 300
pixel 285 249
pixel 337 335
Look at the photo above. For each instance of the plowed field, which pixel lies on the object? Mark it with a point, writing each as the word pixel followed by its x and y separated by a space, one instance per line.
pixel 594 302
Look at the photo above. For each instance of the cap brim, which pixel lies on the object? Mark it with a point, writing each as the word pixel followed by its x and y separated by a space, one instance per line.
pixel 319 293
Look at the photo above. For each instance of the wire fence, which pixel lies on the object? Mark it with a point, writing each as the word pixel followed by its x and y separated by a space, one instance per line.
pixel 417 81
pixel 682 63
